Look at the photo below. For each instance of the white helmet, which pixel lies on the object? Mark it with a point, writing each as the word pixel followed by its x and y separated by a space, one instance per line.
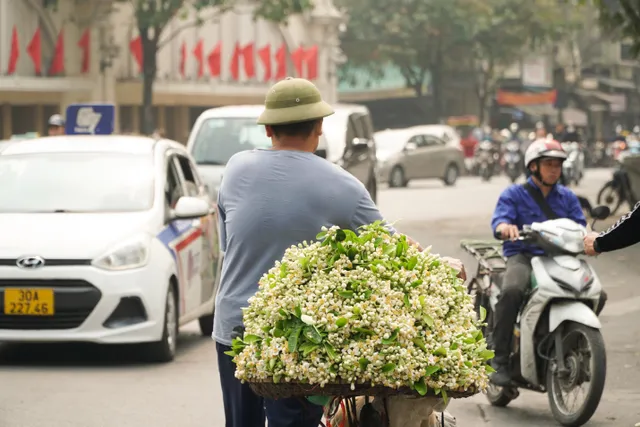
pixel 56 120
pixel 544 148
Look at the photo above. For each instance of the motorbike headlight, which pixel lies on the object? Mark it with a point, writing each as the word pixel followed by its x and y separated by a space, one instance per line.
pixel 128 255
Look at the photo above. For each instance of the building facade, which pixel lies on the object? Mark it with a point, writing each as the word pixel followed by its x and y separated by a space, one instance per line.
pixel 110 71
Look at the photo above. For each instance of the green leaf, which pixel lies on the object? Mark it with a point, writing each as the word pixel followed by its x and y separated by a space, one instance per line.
pixel 419 342
pixel 411 264
pixel 250 339
pixel 312 334
pixel 298 311
pixel 331 352
pixel 341 322
pixel 363 362
pixel 346 294
pixel 441 351
pixel 407 303
pixel 392 338
pixel 283 270
pixel 389 367
pixel 486 354
pixel 308 348
pixel 428 320
pixel 283 313
pixel 421 387
pixel 483 314
pixel 340 235
pixel 469 340
pixel 364 331
pixel 272 363
pixel 489 369
pixel 431 370
pixel 230 353
pixel 416 283
pixel 321 235
pixel 278 333
pixel 293 338
pixel 445 397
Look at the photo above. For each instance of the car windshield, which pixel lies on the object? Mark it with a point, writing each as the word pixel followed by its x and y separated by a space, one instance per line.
pixel 76 182
pixel 220 138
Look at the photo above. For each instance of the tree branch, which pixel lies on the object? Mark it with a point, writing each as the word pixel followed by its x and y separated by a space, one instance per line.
pixel 195 23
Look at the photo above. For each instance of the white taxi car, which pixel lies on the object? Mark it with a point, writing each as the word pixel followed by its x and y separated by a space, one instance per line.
pixel 106 239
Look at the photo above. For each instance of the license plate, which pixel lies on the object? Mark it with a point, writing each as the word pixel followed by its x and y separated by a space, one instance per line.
pixel 28 302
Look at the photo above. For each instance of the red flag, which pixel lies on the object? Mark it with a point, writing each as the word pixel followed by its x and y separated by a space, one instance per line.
pixel 183 58
pixel 57 63
pixel 265 57
pixel 34 49
pixel 281 62
pixel 135 46
pixel 14 54
pixel 249 60
pixel 235 62
pixel 198 52
pixel 215 60
pixel 311 59
pixel 85 44
pixel 298 60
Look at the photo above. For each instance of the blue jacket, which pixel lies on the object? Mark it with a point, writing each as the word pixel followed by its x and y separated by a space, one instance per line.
pixel 516 206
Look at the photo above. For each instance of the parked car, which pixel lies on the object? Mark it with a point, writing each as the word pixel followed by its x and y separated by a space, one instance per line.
pixel 112 239
pixel 219 133
pixel 415 153
pixel 446 133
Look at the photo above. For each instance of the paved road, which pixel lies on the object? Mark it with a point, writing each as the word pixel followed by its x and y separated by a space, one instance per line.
pixel 93 386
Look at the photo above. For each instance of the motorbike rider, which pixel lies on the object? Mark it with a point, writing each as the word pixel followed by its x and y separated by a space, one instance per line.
pixel 55 125
pixel 517 206
pixel 624 233
pixel 571 134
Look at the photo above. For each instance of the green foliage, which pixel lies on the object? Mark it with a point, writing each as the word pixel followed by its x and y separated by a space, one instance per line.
pixel 279 10
pixel 620 18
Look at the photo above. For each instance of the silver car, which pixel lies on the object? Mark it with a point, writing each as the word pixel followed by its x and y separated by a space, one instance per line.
pixel 416 153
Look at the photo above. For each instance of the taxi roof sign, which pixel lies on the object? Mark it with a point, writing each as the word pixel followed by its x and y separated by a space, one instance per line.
pixel 90 119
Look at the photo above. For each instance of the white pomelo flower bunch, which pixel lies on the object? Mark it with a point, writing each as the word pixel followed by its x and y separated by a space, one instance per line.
pixel 363 309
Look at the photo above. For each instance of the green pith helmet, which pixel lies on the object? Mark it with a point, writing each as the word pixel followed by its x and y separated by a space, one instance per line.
pixel 293 101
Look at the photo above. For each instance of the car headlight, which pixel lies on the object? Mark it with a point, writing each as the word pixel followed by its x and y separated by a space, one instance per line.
pixel 128 255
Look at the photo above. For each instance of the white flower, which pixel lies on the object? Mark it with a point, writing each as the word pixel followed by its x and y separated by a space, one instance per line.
pixel 363 309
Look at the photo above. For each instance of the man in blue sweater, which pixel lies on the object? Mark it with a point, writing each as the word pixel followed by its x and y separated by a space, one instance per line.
pixel 517 207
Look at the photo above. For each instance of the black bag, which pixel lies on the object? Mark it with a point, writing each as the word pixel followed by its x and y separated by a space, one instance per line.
pixel 540 201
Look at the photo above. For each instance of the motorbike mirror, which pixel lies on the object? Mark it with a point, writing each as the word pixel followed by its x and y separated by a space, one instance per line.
pixel 600 212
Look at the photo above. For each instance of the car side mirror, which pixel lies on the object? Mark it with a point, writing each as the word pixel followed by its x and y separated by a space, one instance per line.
pixel 190 208
pixel 360 142
pixel 600 212
pixel 411 146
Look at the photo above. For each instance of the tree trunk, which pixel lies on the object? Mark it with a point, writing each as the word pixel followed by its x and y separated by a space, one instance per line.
pixel 437 78
pixel 149 49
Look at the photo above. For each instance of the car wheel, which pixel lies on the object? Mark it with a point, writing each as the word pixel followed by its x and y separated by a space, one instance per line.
pixel 165 350
pixel 451 175
pixel 397 178
pixel 206 324
pixel 372 188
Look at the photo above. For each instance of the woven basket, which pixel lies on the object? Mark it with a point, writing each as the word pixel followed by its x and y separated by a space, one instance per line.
pixel 288 389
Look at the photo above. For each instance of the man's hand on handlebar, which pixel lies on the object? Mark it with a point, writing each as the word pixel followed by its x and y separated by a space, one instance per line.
pixel 506 231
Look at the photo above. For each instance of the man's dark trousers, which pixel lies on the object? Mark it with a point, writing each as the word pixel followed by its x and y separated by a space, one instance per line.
pixel 516 282
pixel 244 408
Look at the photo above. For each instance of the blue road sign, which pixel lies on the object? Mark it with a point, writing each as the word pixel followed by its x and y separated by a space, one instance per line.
pixel 90 119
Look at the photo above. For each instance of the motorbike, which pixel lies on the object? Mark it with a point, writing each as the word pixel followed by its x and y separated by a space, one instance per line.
pixel 617 191
pixel 573 167
pixel 513 161
pixel 557 346
pixel 486 159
